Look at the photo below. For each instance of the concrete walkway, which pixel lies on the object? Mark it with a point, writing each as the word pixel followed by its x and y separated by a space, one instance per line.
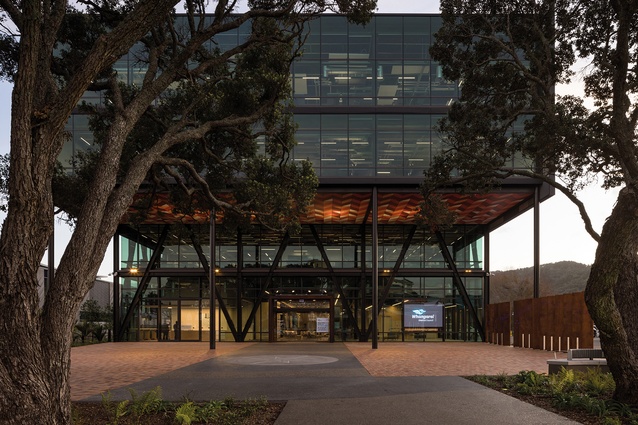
pixel 339 383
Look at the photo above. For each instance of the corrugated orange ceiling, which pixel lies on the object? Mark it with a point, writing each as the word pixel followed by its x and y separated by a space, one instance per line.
pixel 351 208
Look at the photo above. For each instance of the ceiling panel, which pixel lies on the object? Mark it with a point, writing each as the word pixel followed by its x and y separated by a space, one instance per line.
pixel 351 208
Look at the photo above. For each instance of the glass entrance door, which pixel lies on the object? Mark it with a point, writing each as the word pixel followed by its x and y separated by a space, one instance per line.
pixel 301 319
pixel 180 320
pixel 169 315
pixel 302 325
pixel 189 321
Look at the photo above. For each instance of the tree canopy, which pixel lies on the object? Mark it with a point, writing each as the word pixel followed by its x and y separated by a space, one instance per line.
pixel 509 56
pixel 193 118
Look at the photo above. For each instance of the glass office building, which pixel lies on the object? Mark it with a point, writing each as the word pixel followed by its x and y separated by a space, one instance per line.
pixel 367 100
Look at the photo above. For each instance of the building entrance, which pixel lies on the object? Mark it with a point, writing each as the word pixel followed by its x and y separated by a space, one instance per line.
pixel 183 320
pixel 296 318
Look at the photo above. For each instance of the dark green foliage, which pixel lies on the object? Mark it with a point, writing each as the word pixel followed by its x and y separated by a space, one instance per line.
pixel 509 55
pixel 8 57
pixel 149 406
pixel 586 393
pixel 95 322
pixel 84 329
pixel 244 160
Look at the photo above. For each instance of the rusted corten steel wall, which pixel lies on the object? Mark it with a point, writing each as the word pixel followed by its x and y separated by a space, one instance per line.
pixel 497 323
pixel 554 323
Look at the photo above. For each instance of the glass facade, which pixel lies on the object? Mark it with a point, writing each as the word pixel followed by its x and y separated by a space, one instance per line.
pixel 367 145
pixel 385 63
pixel 325 268
pixel 366 102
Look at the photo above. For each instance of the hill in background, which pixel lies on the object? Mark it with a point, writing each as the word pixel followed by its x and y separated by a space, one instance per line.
pixel 563 277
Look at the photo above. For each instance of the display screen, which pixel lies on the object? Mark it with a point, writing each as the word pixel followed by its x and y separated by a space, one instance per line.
pixel 423 315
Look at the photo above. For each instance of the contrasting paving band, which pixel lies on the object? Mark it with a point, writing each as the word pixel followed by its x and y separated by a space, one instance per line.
pixel 98 368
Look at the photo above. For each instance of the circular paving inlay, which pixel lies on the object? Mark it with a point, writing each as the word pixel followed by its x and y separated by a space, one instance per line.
pixel 281 360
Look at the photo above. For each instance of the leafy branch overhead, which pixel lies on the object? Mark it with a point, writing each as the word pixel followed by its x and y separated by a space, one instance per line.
pixel 222 127
pixel 509 56
pixel 194 111
pixel 508 120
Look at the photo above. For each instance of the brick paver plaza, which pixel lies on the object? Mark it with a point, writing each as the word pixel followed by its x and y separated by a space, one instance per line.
pixel 98 368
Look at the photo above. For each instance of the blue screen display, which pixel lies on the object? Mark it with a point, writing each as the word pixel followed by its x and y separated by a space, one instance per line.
pixel 423 315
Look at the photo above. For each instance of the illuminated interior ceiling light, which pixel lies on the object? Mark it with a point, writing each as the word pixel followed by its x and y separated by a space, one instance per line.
pixel 310 78
pixel 133 270
pixel 84 140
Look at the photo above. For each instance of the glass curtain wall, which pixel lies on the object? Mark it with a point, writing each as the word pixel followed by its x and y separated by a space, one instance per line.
pixel 175 306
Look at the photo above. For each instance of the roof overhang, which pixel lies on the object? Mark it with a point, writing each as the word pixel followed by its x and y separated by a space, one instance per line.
pixel 397 204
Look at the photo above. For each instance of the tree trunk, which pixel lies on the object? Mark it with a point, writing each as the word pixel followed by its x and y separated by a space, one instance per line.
pixel 611 295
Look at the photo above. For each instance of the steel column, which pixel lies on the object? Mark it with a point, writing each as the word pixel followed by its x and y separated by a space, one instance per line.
pixel 213 281
pixel 459 283
pixel 206 266
pixel 274 265
pixel 395 269
pixel 240 281
pixel 486 285
pixel 363 279
pixel 375 269
pixel 335 282
pixel 144 281
pixel 537 251
pixel 116 286
pixel 51 266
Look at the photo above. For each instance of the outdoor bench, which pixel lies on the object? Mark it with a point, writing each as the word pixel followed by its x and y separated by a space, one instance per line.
pixel 580 359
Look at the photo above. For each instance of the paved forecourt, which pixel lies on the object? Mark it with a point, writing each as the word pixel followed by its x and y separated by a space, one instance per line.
pixel 347 383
